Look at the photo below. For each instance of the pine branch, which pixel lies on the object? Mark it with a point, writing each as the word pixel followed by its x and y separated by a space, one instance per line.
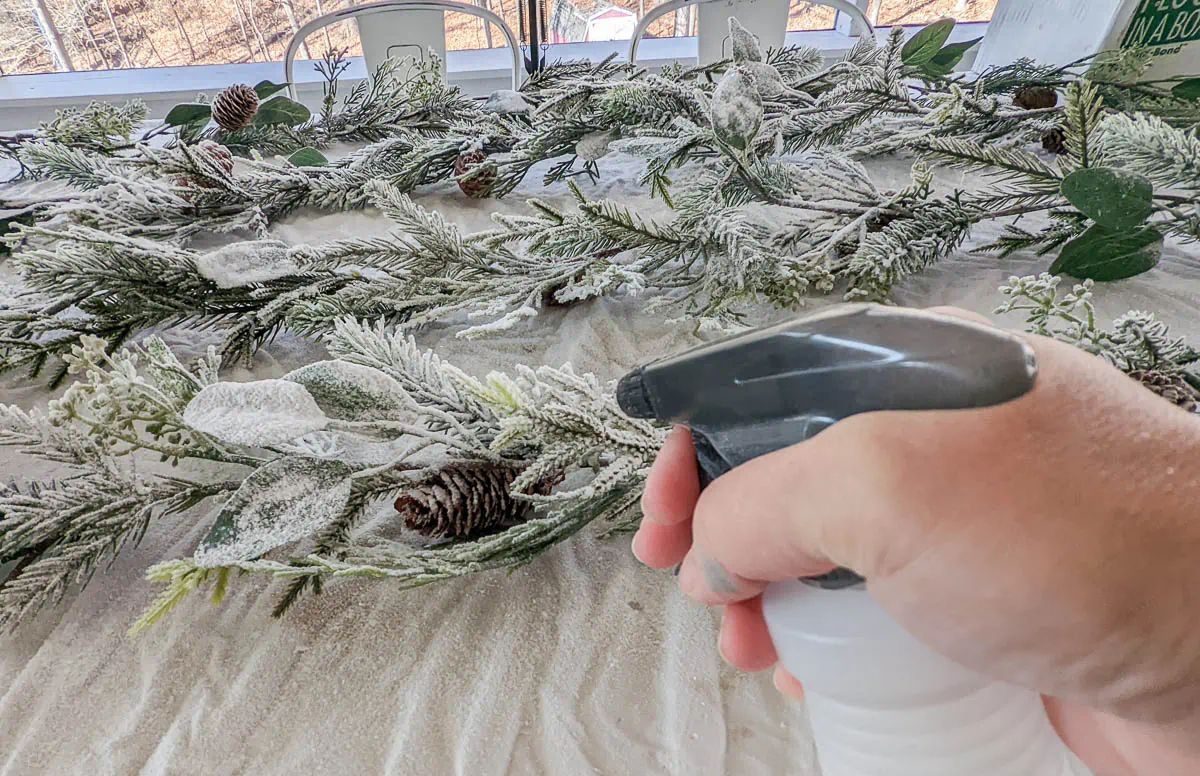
pixel 993 161
pixel 1147 145
pixel 1084 112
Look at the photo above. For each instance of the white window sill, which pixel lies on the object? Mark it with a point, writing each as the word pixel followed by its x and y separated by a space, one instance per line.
pixel 26 100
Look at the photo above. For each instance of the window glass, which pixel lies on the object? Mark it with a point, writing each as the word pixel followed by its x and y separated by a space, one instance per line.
pixel 886 13
pixel 43 36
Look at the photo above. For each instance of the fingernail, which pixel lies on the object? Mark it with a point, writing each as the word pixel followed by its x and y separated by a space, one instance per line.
pixel 717 579
pixel 635 547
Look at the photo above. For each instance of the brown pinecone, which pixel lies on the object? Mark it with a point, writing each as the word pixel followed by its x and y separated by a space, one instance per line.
pixel 1035 97
pixel 1055 141
pixel 464 501
pixel 218 154
pixel 1173 388
pixel 233 107
pixel 478 186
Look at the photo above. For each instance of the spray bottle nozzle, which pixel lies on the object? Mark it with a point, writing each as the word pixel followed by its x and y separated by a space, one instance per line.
pixel 633 398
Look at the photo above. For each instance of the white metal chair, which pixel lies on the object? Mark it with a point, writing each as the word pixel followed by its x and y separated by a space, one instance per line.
pixel 385 6
pixel 858 19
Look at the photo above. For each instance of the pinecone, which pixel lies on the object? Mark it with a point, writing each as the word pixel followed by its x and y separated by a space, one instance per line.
pixel 464 501
pixel 1173 388
pixel 479 185
pixel 1055 141
pixel 215 153
pixel 233 107
pixel 1035 97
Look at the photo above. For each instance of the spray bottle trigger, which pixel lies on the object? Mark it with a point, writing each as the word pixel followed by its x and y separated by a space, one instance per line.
pixel 710 463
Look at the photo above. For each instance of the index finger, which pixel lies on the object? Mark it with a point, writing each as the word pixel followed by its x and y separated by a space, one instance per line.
pixel 674 485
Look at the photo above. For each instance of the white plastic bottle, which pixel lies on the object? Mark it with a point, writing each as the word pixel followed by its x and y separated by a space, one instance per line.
pixel 881 703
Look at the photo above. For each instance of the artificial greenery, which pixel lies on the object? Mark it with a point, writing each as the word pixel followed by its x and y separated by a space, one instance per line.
pixel 756 162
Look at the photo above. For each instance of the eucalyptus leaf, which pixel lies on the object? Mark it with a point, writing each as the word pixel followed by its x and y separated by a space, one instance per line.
pixel 926 44
pixel 188 113
pixel 352 392
pixel 1106 254
pixel 308 157
pixel 1113 198
pixel 1187 90
pixel 745 46
pixel 286 500
pixel 948 58
pixel 246 263
pixel 257 414
pixel 281 110
pixel 737 110
pixel 265 89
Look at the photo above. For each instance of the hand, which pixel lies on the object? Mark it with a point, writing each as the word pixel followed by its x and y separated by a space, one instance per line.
pixel 1053 542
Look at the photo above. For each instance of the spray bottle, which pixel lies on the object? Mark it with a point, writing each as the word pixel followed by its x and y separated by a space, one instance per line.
pixel 880 702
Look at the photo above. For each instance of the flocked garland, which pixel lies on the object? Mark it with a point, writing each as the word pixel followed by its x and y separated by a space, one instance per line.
pixel 498 470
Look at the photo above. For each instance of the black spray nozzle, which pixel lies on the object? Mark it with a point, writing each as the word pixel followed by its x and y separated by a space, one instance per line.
pixel 632 397
pixel 764 390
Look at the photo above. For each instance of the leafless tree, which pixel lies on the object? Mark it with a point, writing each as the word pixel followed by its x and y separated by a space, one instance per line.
pixel 289 10
pixel 54 41
pixel 117 32
pixel 182 30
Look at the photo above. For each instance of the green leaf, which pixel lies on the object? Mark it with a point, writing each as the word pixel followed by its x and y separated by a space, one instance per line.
pixel 948 58
pixel 1113 198
pixel 926 44
pixel 286 500
pixel 308 157
pixel 1187 90
pixel 1105 254
pixel 188 113
pixel 265 89
pixel 281 110
pixel 353 392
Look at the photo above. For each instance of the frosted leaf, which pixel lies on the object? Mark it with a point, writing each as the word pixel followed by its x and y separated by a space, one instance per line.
pixel 284 501
pixel 744 43
pixel 593 146
pixel 351 391
pixel 737 110
pixel 245 263
pixel 767 80
pixel 265 412
pixel 506 101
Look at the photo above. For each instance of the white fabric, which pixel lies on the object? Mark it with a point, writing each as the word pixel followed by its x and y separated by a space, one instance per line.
pixel 583 662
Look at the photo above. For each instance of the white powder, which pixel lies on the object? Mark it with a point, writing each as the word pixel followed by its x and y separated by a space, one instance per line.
pixel 265 412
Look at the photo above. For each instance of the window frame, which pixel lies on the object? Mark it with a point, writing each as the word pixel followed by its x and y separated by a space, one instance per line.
pixel 26 100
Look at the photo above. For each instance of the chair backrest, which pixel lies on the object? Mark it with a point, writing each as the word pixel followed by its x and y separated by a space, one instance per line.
pixel 858 19
pixel 289 58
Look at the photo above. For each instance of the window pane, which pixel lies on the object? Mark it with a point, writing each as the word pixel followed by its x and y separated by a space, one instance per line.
pixel 41 36
pixel 810 16
pixel 464 31
pixel 575 21
pixel 886 13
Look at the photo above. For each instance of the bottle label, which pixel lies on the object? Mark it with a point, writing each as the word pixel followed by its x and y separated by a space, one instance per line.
pixel 1164 26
